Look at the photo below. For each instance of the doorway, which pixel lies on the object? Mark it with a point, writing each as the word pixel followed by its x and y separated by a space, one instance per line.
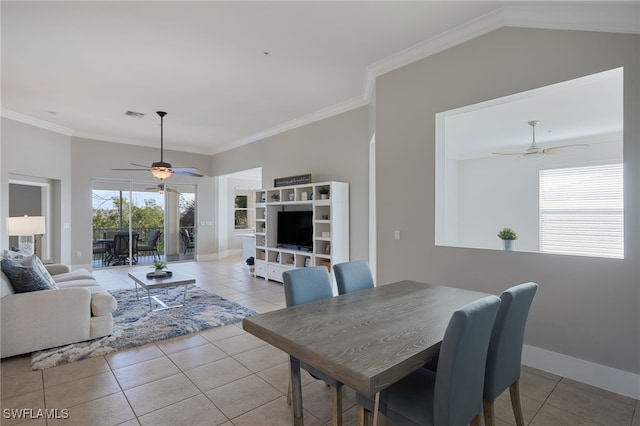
pixel 35 196
pixel 139 222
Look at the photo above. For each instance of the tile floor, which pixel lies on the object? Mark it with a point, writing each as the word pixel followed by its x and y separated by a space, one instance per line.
pixel 227 377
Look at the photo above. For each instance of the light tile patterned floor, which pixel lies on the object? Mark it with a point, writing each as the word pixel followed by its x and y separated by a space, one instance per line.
pixel 225 376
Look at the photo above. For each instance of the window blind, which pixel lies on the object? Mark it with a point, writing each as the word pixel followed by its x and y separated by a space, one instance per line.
pixel 582 211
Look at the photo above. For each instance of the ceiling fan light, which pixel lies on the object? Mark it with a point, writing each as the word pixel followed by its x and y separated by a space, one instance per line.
pixel 161 170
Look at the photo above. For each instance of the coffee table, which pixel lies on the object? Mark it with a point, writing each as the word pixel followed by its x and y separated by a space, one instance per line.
pixel 175 280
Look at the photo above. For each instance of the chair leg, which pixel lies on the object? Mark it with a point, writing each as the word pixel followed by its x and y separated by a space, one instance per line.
pixel 336 397
pixel 514 391
pixel 363 416
pixel 487 408
pixel 476 420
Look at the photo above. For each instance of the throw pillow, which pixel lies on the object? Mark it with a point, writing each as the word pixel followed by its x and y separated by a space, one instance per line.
pixel 13 254
pixel 23 279
pixel 34 262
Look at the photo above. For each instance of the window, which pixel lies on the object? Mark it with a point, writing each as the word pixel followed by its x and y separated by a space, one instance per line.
pixel 243 210
pixel 582 211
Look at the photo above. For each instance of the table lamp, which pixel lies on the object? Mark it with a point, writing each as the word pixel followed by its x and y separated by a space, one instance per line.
pixel 26 227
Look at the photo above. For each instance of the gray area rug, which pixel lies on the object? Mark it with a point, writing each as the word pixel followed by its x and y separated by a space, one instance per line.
pixel 135 325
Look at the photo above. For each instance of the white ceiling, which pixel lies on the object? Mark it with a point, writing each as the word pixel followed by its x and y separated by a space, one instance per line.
pixel 77 67
pixel 584 110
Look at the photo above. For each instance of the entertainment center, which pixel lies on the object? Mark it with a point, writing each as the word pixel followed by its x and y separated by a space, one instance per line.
pixel 299 226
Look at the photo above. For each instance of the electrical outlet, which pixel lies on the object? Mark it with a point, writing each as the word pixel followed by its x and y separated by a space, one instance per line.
pixel 396 235
pixel 79 254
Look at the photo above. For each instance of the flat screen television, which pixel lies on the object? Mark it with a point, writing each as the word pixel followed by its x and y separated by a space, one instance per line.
pixel 295 230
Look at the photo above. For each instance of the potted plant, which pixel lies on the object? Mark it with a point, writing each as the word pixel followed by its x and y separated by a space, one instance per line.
pixel 324 192
pixel 508 236
pixel 275 197
pixel 158 267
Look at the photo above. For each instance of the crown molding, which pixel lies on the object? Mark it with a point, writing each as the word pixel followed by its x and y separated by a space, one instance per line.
pixel 458 35
pixel 353 103
pixel 35 122
pixel 141 143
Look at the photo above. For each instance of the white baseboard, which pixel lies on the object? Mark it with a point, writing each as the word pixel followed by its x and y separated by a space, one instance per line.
pixel 608 378
pixel 208 257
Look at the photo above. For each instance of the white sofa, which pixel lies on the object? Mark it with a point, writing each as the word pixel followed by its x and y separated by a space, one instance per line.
pixel 80 309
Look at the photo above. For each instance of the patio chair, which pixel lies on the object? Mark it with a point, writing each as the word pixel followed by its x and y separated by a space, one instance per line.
pixel 120 249
pixel 100 251
pixel 152 244
pixel 187 243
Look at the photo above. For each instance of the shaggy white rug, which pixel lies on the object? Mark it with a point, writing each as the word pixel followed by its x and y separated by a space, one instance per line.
pixel 134 324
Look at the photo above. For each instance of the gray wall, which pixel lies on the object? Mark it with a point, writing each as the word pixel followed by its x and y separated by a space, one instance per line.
pixel 29 151
pixel 586 308
pixel 332 149
pixel 95 159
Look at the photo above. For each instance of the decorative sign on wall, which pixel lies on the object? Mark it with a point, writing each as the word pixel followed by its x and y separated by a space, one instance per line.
pixel 292 180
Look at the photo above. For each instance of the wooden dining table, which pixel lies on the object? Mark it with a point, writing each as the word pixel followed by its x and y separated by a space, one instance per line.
pixel 367 340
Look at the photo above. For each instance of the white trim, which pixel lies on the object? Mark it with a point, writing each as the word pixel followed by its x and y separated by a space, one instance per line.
pixel 208 257
pixel 598 375
pixel 36 122
pixel 373 222
pixel 458 35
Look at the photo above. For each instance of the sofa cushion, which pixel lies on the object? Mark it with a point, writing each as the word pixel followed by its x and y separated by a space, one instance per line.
pixel 78 274
pixel 103 304
pixel 7 290
pixel 23 278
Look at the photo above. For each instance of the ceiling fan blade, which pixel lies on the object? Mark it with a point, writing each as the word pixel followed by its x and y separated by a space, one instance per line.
pixel 142 169
pixel 556 149
pixel 187 171
pixel 510 153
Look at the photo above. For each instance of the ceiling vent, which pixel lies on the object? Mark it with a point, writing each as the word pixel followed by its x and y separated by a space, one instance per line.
pixel 134 114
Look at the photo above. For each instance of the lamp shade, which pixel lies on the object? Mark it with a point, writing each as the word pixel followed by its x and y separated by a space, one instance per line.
pixel 26 225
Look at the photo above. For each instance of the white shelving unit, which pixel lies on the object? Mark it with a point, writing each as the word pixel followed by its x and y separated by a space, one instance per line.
pixel 329 202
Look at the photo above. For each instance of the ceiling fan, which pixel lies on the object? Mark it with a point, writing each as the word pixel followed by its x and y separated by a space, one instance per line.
pixel 162 188
pixel 160 169
pixel 534 152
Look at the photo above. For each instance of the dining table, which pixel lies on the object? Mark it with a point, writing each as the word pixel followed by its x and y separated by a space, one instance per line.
pixel 368 339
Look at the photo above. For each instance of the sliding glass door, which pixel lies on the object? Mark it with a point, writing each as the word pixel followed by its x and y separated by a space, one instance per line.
pixel 137 222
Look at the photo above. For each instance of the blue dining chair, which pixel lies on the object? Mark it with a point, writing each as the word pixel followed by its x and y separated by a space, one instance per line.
pixel 304 285
pixel 353 276
pixel 505 350
pixel 452 395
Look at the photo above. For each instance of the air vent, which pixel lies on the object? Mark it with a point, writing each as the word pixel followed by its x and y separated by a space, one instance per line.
pixel 134 114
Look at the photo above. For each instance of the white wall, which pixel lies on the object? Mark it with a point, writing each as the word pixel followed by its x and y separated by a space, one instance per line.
pixel 496 191
pixel 586 308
